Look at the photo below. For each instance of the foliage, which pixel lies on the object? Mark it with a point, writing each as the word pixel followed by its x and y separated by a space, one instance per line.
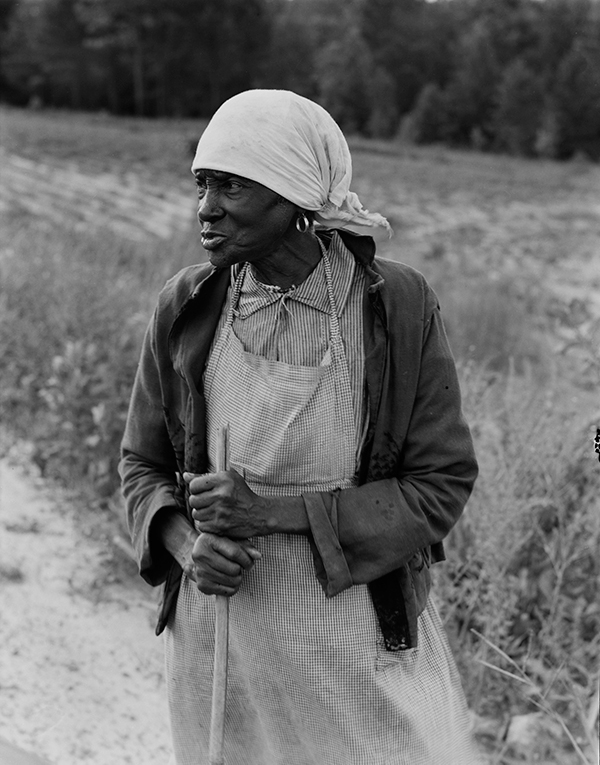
pixel 67 374
pixel 291 61
pixel 522 565
pixel 427 119
pixel 142 57
pixel 374 63
pixel 520 105
pixel 344 68
pixel 469 98
pixel 392 30
pixel 383 117
pixel 576 100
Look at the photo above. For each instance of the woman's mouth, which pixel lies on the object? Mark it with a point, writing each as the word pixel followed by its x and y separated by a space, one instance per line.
pixel 210 240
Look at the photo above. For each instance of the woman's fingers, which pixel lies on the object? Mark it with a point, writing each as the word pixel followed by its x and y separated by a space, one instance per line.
pixel 211 489
pixel 220 562
pixel 251 550
pixel 197 484
pixel 225 551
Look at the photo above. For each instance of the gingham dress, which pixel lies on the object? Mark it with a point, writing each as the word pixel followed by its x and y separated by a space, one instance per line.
pixel 310 681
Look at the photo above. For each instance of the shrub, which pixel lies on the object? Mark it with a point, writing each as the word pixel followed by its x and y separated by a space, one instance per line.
pixel 576 102
pixel 429 115
pixel 519 108
pixel 67 373
pixel 383 121
pixel 344 68
pixel 495 322
pixel 470 93
pixel 522 565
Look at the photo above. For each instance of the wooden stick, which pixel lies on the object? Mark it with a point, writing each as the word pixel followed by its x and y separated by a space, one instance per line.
pixel 219 694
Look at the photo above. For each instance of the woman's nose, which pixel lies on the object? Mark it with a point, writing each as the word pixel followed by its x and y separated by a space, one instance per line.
pixel 209 206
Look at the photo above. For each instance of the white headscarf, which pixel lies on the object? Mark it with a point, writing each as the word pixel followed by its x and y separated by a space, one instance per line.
pixel 292 146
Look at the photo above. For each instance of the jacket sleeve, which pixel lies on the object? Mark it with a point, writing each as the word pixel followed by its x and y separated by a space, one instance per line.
pixel 148 467
pixel 360 534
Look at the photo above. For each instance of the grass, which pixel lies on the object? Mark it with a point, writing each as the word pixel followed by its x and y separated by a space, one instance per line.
pixel 500 240
pixel 82 306
pixel 522 565
pixel 96 142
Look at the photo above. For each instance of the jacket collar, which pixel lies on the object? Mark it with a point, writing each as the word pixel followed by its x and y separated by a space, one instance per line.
pixel 213 282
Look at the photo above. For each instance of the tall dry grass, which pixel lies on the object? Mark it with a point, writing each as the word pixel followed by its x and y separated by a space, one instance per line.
pixel 523 568
pixel 519 592
pixel 73 310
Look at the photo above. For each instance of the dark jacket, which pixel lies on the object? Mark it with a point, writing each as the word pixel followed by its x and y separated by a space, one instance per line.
pixel 417 465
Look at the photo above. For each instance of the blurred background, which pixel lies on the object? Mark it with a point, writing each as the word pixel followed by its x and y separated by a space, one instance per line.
pixel 510 75
pixel 474 127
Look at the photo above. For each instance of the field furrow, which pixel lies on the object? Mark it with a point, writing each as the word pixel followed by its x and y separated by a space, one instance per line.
pixel 68 196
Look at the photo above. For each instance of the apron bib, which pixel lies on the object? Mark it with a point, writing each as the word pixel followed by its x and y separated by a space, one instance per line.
pixel 292 427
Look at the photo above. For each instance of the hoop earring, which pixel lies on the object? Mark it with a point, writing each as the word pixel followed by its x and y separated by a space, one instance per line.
pixel 302 223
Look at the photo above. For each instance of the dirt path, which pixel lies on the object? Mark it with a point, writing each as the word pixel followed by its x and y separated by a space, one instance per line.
pixel 81 672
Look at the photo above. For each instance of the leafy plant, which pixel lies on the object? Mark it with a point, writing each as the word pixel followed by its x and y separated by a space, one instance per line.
pixel 522 569
pixel 67 373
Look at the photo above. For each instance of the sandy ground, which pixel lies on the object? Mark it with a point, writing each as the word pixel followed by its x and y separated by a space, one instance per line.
pixel 81 671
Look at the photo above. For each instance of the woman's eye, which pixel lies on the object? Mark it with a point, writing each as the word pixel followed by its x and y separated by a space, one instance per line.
pixel 226 186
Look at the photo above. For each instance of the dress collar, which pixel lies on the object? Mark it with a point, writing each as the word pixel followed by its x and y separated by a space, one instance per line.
pixel 312 291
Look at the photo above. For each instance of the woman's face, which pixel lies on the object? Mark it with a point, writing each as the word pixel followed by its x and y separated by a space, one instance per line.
pixel 241 220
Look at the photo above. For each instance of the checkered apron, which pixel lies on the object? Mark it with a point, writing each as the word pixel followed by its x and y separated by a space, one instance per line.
pixel 310 681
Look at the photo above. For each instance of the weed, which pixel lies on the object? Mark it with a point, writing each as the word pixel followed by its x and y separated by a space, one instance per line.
pixel 67 373
pixel 522 567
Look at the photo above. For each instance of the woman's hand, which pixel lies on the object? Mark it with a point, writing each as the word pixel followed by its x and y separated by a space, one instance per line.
pixel 223 503
pixel 219 562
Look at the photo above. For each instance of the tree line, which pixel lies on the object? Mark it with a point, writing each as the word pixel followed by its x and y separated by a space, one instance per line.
pixel 521 76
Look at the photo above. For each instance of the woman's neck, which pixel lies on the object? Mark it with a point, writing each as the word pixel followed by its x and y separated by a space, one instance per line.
pixel 291 264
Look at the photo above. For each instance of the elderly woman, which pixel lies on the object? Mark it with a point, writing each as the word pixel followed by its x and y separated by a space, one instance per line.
pixel 350 462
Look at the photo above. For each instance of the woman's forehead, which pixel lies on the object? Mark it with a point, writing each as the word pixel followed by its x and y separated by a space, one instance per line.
pixel 219 175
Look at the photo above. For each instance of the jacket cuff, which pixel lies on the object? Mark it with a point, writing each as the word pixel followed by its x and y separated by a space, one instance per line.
pixel 153 560
pixel 331 567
